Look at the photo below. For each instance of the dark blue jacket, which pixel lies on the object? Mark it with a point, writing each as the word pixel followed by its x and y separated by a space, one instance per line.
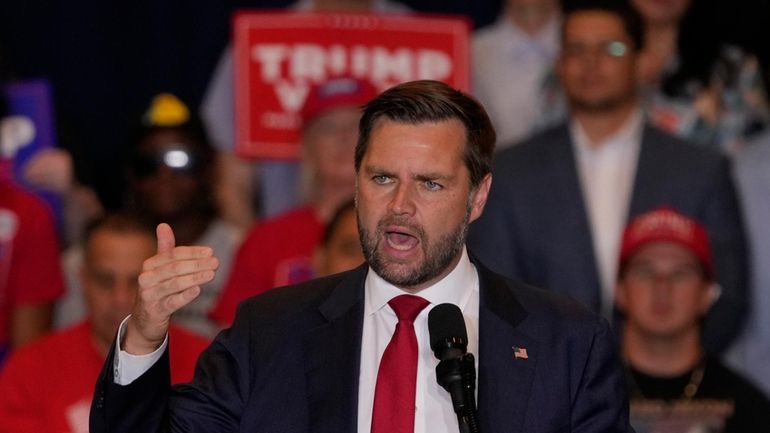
pixel 535 226
pixel 290 363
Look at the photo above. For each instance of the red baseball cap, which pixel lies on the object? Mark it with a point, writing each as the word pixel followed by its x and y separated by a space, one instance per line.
pixel 334 93
pixel 666 224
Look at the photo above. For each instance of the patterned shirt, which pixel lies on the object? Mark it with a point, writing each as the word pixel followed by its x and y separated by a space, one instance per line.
pixel 735 95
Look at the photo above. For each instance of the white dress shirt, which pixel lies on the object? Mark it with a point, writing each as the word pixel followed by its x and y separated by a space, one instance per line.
pixel 127 367
pixel 606 171
pixel 433 404
pixel 510 68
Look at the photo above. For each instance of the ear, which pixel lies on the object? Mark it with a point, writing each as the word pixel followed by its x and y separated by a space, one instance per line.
pixel 479 199
pixel 713 292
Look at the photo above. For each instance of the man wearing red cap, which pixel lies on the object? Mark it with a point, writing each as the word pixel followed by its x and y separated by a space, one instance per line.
pixel 665 287
pixel 279 251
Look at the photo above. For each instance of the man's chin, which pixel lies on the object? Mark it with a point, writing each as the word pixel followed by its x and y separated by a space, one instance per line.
pixel 396 271
pixel 400 275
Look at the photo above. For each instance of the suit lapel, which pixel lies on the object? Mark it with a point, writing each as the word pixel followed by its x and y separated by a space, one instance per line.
pixel 570 224
pixel 651 180
pixel 507 357
pixel 332 354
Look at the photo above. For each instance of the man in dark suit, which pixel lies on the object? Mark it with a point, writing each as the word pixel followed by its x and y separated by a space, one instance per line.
pixel 561 199
pixel 318 357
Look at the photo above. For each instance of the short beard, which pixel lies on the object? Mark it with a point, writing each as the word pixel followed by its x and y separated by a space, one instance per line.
pixel 597 107
pixel 437 258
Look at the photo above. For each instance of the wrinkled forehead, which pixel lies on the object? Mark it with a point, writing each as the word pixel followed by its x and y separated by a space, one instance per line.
pixel 427 149
pixel 459 129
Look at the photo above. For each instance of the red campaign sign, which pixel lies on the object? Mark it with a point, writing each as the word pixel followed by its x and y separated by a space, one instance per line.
pixel 280 55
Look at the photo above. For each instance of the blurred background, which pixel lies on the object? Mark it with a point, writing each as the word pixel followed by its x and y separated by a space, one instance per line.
pixel 107 59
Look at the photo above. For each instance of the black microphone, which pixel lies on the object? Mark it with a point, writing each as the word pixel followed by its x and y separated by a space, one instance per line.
pixel 456 370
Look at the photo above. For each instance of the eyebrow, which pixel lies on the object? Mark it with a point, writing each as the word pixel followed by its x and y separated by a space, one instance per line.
pixel 372 169
pixel 432 176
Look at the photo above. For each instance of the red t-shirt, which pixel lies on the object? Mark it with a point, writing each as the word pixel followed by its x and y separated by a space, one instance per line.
pixel 275 253
pixel 30 269
pixel 47 385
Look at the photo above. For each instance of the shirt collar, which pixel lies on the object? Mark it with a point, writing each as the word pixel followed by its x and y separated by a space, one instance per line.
pixel 630 133
pixel 456 288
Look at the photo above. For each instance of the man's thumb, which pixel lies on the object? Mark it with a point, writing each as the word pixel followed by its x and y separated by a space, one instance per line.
pixel 166 241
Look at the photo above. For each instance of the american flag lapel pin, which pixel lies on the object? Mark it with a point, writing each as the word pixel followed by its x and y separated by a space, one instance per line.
pixel 520 352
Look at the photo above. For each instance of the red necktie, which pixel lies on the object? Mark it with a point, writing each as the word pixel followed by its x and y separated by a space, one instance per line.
pixel 397 377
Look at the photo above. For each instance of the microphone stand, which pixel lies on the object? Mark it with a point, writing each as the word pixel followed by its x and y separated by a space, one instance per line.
pixel 458 377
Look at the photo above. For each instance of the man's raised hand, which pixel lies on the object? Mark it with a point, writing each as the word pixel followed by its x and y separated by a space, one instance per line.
pixel 169 280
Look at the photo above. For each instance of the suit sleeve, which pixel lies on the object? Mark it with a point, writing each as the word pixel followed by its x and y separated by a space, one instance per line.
pixel 140 406
pixel 724 223
pixel 212 402
pixel 600 403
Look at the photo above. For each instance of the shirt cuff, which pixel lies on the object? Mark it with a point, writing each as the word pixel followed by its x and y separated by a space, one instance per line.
pixel 127 367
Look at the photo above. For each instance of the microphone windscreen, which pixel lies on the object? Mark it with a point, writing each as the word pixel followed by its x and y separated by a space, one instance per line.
pixel 447 329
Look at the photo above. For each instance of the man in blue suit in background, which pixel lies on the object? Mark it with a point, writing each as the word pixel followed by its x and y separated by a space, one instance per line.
pixel 307 358
pixel 561 199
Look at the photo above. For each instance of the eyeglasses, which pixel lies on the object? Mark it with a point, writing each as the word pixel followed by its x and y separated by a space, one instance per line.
pixel 610 49
pixel 178 160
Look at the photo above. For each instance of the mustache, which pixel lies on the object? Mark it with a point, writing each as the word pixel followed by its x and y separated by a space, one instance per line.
pixel 395 220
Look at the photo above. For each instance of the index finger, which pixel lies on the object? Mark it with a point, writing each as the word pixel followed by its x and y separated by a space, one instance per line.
pixel 177 254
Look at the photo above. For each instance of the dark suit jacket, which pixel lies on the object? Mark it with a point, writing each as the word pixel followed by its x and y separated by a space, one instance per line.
pixel 535 225
pixel 290 363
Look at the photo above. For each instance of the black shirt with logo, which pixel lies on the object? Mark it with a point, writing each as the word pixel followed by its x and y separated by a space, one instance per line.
pixel 722 402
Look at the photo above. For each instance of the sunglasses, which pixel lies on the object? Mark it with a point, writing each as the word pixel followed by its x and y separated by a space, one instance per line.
pixel 180 161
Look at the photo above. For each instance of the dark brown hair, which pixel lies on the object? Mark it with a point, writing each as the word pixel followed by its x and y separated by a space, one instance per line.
pixel 633 23
pixel 425 101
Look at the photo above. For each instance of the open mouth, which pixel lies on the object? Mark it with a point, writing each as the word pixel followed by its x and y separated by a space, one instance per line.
pixel 400 239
